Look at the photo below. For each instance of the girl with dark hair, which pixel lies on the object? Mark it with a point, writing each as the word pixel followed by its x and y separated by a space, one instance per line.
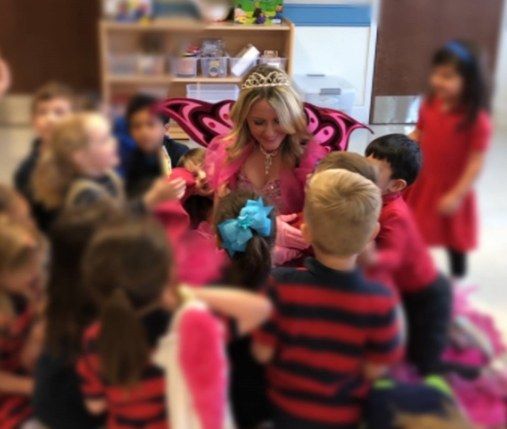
pixel 129 270
pixel 454 130
pixel 250 265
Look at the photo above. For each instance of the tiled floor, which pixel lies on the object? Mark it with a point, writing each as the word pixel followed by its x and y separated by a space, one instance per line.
pixel 488 265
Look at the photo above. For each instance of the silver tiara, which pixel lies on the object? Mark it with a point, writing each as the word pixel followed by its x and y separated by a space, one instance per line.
pixel 274 78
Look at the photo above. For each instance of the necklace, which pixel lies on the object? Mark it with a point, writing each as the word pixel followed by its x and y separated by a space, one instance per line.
pixel 268 159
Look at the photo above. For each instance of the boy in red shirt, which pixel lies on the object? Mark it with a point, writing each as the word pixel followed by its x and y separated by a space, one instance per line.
pixel 402 256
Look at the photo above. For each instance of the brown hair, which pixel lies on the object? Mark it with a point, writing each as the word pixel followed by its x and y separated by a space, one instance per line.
pixel 349 161
pixel 289 107
pixel 126 268
pixel 251 267
pixel 50 91
pixel 56 170
pixel 70 307
pixel 341 210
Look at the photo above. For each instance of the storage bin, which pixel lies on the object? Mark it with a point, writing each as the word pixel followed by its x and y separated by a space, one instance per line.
pixel 213 92
pixel 241 66
pixel 184 66
pixel 151 64
pixel 122 64
pixel 277 62
pixel 214 66
pixel 329 91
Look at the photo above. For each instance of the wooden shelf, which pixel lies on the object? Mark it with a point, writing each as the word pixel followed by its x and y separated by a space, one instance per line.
pixel 166 25
pixel 171 35
pixel 168 79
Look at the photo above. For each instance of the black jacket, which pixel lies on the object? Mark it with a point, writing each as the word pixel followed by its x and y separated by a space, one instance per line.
pixel 142 168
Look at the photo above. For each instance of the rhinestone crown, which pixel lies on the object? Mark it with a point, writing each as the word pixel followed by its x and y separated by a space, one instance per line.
pixel 274 78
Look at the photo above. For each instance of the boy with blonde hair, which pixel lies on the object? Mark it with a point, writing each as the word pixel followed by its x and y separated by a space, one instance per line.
pixel 332 331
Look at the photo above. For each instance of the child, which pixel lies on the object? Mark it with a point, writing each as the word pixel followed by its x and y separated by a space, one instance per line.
pixel 249 268
pixel 22 251
pixel 57 401
pixel 403 256
pixel 50 105
pixel 128 269
pixel 332 330
pixel 454 131
pixel 349 161
pixel 77 168
pixel 148 129
pixel 199 201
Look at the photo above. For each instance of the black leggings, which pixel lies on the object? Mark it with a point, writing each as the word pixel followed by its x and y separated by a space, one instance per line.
pixel 458 262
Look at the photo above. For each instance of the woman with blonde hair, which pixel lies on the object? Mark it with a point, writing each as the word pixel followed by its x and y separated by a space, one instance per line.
pixel 269 150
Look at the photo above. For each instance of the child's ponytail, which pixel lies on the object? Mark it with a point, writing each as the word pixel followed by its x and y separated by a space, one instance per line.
pixel 250 266
pixel 126 268
pixel 123 346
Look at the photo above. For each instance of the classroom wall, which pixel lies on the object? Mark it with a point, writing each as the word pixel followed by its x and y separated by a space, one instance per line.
pixel 336 37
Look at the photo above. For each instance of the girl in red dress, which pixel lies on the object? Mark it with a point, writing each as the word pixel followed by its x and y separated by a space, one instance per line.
pixel 454 131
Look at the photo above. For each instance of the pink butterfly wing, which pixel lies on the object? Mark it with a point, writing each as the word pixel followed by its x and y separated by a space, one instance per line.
pixel 200 120
pixel 204 121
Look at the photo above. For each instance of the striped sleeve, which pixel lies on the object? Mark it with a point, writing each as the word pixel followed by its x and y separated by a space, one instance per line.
pixel 383 345
pixel 88 370
pixel 267 334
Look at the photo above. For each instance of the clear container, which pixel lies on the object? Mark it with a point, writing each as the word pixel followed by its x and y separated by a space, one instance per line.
pixel 184 66
pixel 123 64
pixel 329 91
pixel 213 92
pixel 278 62
pixel 214 66
pixel 240 66
pixel 151 64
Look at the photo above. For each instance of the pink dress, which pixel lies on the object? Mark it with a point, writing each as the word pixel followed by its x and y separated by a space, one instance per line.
pixel 286 193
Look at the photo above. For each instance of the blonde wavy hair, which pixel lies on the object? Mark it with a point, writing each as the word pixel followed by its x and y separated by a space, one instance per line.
pixel 290 111
pixel 56 169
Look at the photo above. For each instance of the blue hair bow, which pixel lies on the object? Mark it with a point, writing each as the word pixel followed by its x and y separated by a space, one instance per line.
pixel 236 233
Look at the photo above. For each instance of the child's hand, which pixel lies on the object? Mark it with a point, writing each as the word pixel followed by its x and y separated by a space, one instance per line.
pixel 5 77
pixel 163 190
pixel 449 204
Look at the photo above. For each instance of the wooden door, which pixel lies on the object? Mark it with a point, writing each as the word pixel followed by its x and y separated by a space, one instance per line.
pixel 50 40
pixel 409 31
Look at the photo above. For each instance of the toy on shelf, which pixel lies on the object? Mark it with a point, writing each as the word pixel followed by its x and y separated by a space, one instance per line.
pixel 259 12
pixel 128 10
pixel 214 59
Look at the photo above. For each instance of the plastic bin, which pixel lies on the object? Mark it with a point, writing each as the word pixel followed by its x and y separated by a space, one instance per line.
pixel 213 92
pixel 123 64
pixel 277 62
pixel 214 66
pixel 184 66
pixel 329 91
pixel 241 66
pixel 151 64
